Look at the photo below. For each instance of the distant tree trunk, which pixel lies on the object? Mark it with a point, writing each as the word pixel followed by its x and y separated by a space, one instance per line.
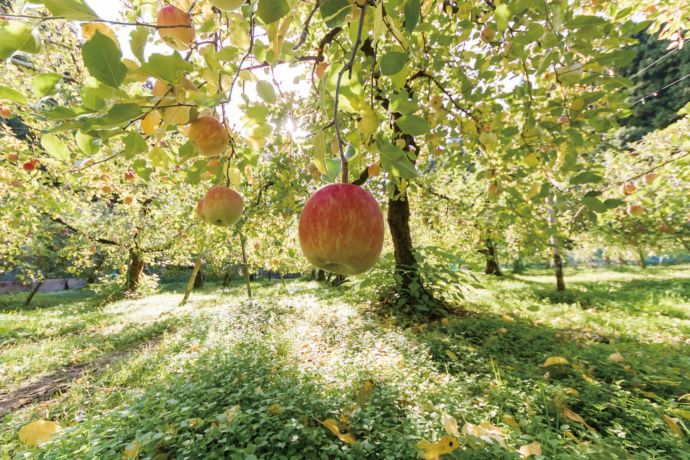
pixel 93 274
pixel 320 275
pixel 191 284
pixel 555 245
pixel 33 292
pixel 134 271
pixel 640 255
pixel 492 266
pixel 247 276
pixel 227 279
pixel 282 280
pixel 406 269
pixel 518 265
pixel 200 278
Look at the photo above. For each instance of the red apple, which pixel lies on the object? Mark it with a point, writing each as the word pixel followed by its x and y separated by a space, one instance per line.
pixel 221 206
pixel 628 188
pixel 181 37
pixel 649 178
pixel 208 136
pixel 5 112
pixel 12 157
pixel 635 210
pixel 30 165
pixel 341 229
pixel 129 175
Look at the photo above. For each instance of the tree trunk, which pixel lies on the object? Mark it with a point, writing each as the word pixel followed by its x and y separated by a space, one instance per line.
pixel 191 284
pixel 406 269
pixel 200 279
pixel 320 275
pixel 93 274
pixel 134 271
pixel 247 276
pixel 518 266
pixel 492 266
pixel 640 254
pixel 555 245
pixel 227 279
pixel 33 292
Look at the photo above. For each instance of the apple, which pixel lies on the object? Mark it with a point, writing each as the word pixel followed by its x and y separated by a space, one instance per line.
pixel 30 165
pixel 221 206
pixel 635 210
pixel 649 178
pixel 12 157
pixel 374 170
pixel 181 37
pixel 107 189
pixel 494 190
pixel 213 163
pixel 532 160
pixel 488 35
pixel 208 136
pixel 320 69
pixel 129 199
pixel 628 188
pixel 161 88
pixel 665 228
pixel 5 112
pixel 227 5
pixel 130 175
pixel 341 229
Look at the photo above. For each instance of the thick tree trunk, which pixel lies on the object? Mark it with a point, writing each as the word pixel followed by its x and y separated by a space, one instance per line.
pixel 33 292
pixel 492 266
pixel 200 279
pixel 245 263
pixel 134 271
pixel 406 269
pixel 320 275
pixel 191 284
pixel 555 245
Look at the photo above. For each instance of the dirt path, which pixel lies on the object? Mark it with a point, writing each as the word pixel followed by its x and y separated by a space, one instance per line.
pixel 57 382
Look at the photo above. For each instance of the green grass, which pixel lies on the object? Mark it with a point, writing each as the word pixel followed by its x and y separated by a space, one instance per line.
pixel 291 360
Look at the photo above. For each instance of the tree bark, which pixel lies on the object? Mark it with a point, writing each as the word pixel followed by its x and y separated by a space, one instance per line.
pixel 247 276
pixel 640 254
pixel 191 284
pixel 134 271
pixel 406 269
pixel 320 275
pixel 200 279
pixel 33 292
pixel 555 245
pixel 518 265
pixel 492 266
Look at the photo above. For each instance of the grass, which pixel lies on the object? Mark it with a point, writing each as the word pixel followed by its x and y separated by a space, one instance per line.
pixel 227 377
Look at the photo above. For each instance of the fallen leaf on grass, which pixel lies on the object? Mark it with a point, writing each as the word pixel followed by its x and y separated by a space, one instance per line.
pixel 434 450
pixel 511 421
pixel 616 358
pixel 275 409
pixel 231 412
pixel 450 424
pixel 674 426
pixel 333 427
pixel 575 417
pixel 38 432
pixel 530 449
pixel 132 450
pixel 553 360
pixel 485 431
pixel 682 412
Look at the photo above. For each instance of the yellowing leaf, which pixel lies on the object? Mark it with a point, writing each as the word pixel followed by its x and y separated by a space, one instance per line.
pixel 682 412
pixel 332 425
pixel 275 409
pixel 38 432
pixel 450 424
pixel 616 358
pixel 575 417
pixel 571 391
pixel 452 356
pixel 150 122
pixel 90 29
pixel 511 421
pixel 530 449
pixel 132 450
pixel 195 422
pixel 232 412
pixel 674 426
pixel 485 431
pixel 434 450
pixel 553 360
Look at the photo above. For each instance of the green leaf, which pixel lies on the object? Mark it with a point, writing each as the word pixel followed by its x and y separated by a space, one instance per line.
pixel 395 160
pixel 502 14
pixel 594 204
pixel 45 83
pixel 266 91
pixel 103 59
pixel 393 62
pixel 54 147
pixel 618 58
pixel 88 144
pixel 586 178
pixel 167 68
pixel 137 42
pixel 134 145
pixel 413 125
pixel 118 115
pixel 269 11
pixel 334 12
pixel 412 12
pixel 12 95
pixel 141 169
pixel 613 203
pixel 18 36
pixel 257 113
pixel 70 9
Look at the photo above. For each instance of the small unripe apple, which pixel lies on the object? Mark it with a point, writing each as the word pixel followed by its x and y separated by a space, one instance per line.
pixel 128 200
pixel 30 165
pixel 221 206
pixel 12 157
pixel 635 210
pixel 628 188
pixel 649 178
pixel 341 229
pixel 208 136
pixel 175 28
pixel 15 183
pixel 532 160
pixel 107 189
